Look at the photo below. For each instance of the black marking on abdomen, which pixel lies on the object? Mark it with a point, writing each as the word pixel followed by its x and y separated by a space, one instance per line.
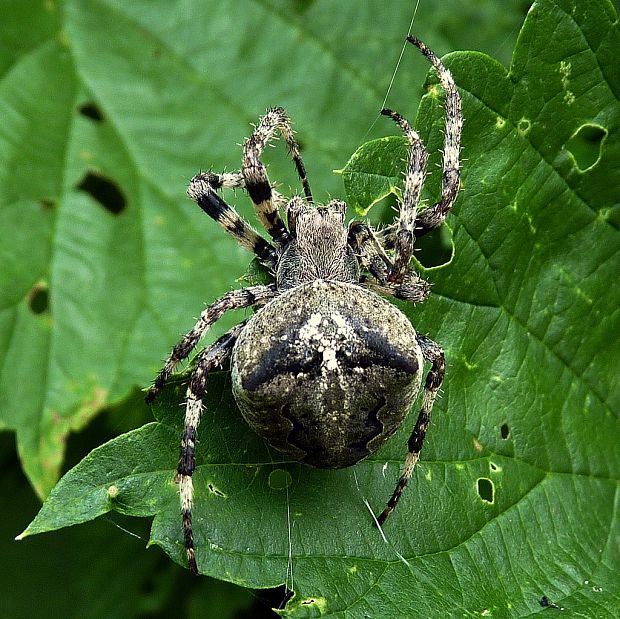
pixel 332 455
pixel 281 359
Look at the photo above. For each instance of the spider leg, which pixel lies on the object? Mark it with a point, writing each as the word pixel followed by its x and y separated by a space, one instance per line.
pixel 202 190
pixel 255 174
pixel 404 237
pixel 367 246
pixel 235 180
pixel 433 216
pixel 235 299
pixel 412 287
pixel 434 353
pixel 207 360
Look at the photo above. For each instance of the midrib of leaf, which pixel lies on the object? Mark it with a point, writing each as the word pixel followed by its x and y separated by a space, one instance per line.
pixel 246 115
pixel 371 90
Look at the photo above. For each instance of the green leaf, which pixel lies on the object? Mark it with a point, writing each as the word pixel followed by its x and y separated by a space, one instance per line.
pixel 374 172
pixel 516 493
pixel 107 109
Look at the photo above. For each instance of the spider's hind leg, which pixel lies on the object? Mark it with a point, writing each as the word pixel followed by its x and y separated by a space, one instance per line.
pixel 434 353
pixel 207 360
pixel 235 299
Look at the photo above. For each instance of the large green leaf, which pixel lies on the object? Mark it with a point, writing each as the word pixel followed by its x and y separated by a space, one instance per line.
pixel 124 102
pixel 516 495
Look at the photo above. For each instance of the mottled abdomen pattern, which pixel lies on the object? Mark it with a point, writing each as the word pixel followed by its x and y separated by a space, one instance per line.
pixel 326 372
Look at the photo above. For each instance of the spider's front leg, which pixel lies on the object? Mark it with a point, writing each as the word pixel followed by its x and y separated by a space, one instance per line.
pixel 404 237
pixel 433 216
pixel 255 174
pixel 401 236
pixel 203 190
pixel 434 353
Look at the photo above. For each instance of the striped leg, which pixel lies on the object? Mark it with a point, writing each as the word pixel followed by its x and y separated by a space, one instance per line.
pixel 255 174
pixel 433 216
pixel 202 190
pixel 207 360
pixel 235 299
pixel 434 353
pixel 364 242
pixel 416 171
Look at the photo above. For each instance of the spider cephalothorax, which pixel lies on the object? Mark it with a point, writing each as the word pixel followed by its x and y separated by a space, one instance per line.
pixel 326 370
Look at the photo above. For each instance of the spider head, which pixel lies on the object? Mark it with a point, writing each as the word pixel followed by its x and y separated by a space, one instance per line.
pixel 304 218
pixel 318 249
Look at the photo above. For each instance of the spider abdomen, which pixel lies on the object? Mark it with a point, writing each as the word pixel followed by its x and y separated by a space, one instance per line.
pixel 326 372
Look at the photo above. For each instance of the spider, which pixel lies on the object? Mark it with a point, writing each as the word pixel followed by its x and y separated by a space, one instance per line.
pixel 326 369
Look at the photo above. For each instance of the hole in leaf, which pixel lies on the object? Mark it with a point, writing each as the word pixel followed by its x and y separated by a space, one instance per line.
pixel 91 110
pixel 524 125
pixel 104 191
pixel 38 298
pixel 485 489
pixel 435 248
pixel 270 598
pixel 279 479
pixel 431 250
pixel 545 602
pixel 585 145
pixel 493 466
pixel 505 431
pixel 47 202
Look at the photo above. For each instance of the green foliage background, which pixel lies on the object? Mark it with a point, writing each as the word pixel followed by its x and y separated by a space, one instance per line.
pixel 91 301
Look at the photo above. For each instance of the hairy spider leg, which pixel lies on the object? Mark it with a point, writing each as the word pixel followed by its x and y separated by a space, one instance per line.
pixel 208 359
pixel 235 299
pixel 202 190
pixel 414 178
pixel 432 352
pixel 369 250
pixel 433 216
pixel 255 174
